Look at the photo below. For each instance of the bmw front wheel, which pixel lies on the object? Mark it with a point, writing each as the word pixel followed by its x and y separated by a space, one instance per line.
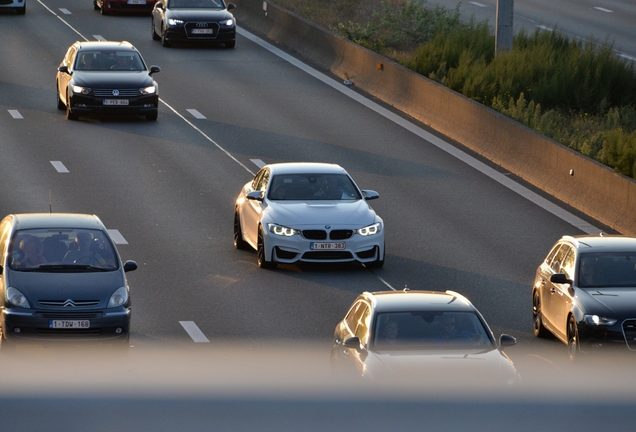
pixel 260 253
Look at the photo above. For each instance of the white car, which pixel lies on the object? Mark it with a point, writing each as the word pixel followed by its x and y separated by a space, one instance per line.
pixel 311 212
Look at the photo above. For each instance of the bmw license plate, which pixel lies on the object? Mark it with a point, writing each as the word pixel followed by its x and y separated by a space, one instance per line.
pixel 115 101
pixel 69 324
pixel 327 246
pixel 202 31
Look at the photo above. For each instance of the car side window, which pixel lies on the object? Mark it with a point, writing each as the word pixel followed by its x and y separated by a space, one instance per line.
pixel 261 184
pixel 559 259
pixel 551 255
pixel 568 263
pixel 362 329
pixel 4 236
pixel 353 316
pixel 70 57
pixel 257 179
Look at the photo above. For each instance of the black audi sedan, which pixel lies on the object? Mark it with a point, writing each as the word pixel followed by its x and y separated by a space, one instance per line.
pixel 62 279
pixel 194 21
pixel 584 293
pixel 100 77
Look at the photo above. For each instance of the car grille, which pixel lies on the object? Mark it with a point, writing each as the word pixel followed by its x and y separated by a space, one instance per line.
pixel 324 235
pixel 327 255
pixel 70 315
pixel 68 303
pixel 109 92
pixel 193 27
pixel 629 330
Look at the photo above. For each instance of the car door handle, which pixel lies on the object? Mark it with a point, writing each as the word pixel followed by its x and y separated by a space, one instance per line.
pixel 552 290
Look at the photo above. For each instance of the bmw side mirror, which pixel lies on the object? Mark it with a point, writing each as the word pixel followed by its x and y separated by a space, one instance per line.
pixel 154 69
pixel 130 266
pixel 352 342
pixel 370 195
pixel 506 340
pixel 560 278
pixel 255 195
pixel 63 69
pixel 231 6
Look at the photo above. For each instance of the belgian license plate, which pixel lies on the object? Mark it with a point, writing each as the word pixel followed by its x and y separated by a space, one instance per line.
pixel 327 246
pixel 202 31
pixel 69 324
pixel 136 1
pixel 115 101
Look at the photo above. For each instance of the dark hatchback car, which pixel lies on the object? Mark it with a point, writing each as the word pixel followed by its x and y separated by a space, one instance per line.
pixel 584 293
pixel 101 77
pixel 107 7
pixel 61 278
pixel 194 21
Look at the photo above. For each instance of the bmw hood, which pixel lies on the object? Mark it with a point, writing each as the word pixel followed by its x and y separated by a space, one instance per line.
pixel 618 302
pixel 108 79
pixel 342 214
pixel 202 15
pixel 447 367
pixel 38 286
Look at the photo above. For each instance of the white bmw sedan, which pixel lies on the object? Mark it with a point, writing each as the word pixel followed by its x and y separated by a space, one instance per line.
pixel 311 212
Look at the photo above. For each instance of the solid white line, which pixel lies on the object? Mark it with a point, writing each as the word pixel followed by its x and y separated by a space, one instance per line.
pixel 15 114
pixel 65 11
pixel 116 236
pixel 259 163
pixel 59 166
pixel 442 145
pixel 195 113
pixel 195 333
pixel 603 9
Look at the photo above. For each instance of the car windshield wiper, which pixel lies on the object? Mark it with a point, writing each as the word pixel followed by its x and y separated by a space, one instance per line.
pixel 64 267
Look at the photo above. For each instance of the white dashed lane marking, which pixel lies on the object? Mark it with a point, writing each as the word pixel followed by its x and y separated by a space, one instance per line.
pixel 116 236
pixel 59 166
pixel 478 4
pixel 99 37
pixel 195 113
pixel 65 11
pixel 195 333
pixel 259 163
pixel 15 114
pixel 603 9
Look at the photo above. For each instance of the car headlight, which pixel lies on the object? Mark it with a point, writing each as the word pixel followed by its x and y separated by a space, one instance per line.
pixel 80 89
pixel 227 23
pixel 16 298
pixel 370 230
pixel 598 321
pixel 174 22
pixel 119 298
pixel 282 230
pixel 148 90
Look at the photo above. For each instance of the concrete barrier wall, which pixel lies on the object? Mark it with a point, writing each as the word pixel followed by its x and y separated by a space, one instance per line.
pixel 593 189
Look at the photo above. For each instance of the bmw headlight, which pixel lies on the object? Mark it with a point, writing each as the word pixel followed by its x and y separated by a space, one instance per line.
pixel 148 90
pixel 119 298
pixel 282 230
pixel 16 298
pixel 370 230
pixel 174 22
pixel 596 320
pixel 80 89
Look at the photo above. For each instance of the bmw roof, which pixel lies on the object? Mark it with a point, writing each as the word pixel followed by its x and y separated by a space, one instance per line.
pixel 57 220
pixel 407 300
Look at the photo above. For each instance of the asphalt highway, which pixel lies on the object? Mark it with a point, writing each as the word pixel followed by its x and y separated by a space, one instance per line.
pixel 168 187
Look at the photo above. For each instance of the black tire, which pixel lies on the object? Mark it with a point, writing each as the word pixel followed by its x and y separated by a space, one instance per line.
pixel 102 9
pixel 152 117
pixel 230 44
pixel 155 36
pixel 239 243
pixel 537 321
pixel 164 41
pixel 70 114
pixel 60 104
pixel 574 350
pixel 260 253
